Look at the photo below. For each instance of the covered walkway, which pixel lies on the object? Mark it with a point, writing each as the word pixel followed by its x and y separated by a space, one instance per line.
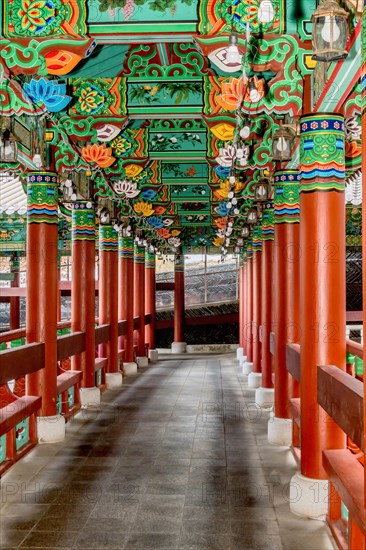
pixel 176 458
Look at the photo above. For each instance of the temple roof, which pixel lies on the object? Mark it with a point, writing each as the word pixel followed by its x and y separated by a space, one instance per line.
pixel 12 196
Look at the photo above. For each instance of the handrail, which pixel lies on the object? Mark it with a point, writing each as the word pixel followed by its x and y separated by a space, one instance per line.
pixel 102 334
pixel 354 348
pixel 293 360
pixel 70 344
pixel 341 396
pixel 17 362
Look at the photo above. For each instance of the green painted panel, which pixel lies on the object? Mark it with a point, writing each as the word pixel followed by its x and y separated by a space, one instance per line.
pixel 196 193
pixel 71 396
pixel 130 12
pixel 59 404
pixel 106 61
pixel 3 448
pixel 21 433
pixel 188 172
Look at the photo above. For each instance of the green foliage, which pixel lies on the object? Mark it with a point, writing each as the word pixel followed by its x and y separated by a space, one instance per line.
pixel 154 5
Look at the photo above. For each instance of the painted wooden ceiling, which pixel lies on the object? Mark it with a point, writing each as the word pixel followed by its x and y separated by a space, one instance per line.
pixel 149 102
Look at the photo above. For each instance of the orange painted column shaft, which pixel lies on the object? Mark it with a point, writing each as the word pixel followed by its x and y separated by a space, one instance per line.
pixel 139 298
pixel 249 300
pixel 108 292
pixel 241 303
pixel 83 288
pixel 41 311
pixel 286 287
pixel 267 288
pixel 323 279
pixel 125 294
pixel 179 301
pixel 15 300
pixel 150 298
pixel 257 297
pixel 363 72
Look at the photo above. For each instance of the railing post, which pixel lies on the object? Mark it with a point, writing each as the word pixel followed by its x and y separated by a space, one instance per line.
pixel 83 297
pixel 41 313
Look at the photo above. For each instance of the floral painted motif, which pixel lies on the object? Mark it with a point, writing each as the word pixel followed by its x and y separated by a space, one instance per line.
pixel 163 232
pixel 144 208
pixel 39 17
pixel 93 98
pixel 49 92
pixel 98 154
pixel 231 94
pixel 126 189
pixel 122 146
pixel 156 222
pixel 149 194
pixel 226 156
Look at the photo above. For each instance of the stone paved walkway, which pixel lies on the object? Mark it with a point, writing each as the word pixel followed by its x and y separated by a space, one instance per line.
pixel 178 458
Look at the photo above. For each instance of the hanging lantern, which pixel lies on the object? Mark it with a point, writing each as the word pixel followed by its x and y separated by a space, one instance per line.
pixel 245 232
pixel 8 147
pixel 330 32
pixel 233 55
pixel 252 216
pixel 262 190
pixel 282 141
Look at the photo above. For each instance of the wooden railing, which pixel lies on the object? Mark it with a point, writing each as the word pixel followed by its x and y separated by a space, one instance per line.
pixel 17 411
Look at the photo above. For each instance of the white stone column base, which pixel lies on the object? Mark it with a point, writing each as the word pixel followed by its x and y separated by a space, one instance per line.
pixel 309 497
pixel 264 397
pixel 179 347
pixel 113 380
pixel 153 355
pixel 142 362
pixel 247 368
pixel 254 380
pixel 243 360
pixel 280 431
pixel 129 368
pixel 51 429
pixel 89 397
pixel 239 353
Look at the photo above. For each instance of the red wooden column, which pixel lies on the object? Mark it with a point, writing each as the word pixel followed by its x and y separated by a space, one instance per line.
pixel 139 305
pixel 41 311
pixel 108 301
pixel 125 299
pixel 240 352
pixel 248 334
pixel 14 300
pixel 322 297
pixel 363 72
pixel 179 346
pixel 150 303
pixel 286 298
pixel 83 297
pixel 264 395
pixel 255 377
pixel 58 287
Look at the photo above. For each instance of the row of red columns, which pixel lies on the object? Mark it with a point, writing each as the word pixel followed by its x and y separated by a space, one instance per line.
pixel 121 269
pixel 303 274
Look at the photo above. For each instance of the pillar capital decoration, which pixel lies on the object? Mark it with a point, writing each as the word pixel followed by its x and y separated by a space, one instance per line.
pixel 125 247
pixel 250 248
pixel 268 222
pixel 83 222
pixel 42 198
pixel 15 262
pixel 287 196
pixel 149 260
pixel 139 254
pixel 322 153
pixel 257 237
pixel 179 262
pixel 108 238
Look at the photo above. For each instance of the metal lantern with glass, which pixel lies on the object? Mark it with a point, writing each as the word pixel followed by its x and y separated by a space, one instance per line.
pixel 282 141
pixel 330 32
